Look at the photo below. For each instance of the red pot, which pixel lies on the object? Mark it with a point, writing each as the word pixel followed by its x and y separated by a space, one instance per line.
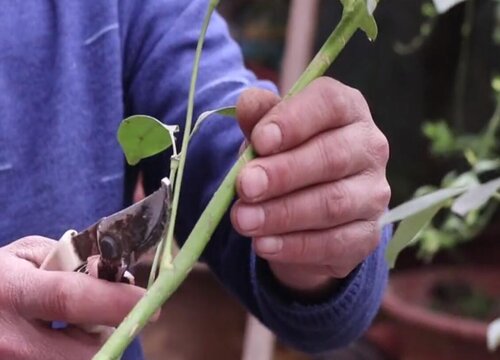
pixel 415 332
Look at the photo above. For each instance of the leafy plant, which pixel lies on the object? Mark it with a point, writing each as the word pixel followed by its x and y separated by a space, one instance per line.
pixel 463 205
pixel 470 198
pixel 357 14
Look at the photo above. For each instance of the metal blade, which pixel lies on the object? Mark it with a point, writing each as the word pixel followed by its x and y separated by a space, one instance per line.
pixel 129 233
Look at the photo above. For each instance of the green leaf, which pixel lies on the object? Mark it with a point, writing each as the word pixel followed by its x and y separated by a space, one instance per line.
pixel 366 20
pixel 417 205
pixel 226 111
pixel 441 136
pixel 486 165
pixel 369 26
pixel 142 136
pixel 443 6
pixel 408 230
pixel 475 198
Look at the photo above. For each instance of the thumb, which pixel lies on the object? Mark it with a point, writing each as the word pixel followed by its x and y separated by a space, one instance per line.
pixel 32 248
pixel 252 105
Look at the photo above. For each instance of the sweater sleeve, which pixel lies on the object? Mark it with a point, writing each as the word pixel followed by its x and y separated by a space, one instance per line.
pixel 159 41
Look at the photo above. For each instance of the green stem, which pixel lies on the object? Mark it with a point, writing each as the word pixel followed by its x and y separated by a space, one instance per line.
pixel 174 165
pixel 169 280
pixel 337 40
pixel 463 66
pixel 488 142
pixel 166 261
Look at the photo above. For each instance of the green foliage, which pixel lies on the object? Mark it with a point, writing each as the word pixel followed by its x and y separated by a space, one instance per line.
pixel 229 111
pixel 414 214
pixel 142 136
pixel 467 212
pixel 367 22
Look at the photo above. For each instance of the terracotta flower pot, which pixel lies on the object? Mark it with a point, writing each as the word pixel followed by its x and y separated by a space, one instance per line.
pixel 416 332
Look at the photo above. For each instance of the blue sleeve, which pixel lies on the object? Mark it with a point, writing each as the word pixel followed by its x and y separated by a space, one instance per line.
pixel 159 43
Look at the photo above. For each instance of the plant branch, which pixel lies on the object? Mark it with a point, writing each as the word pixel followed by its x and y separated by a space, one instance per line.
pixel 166 260
pixel 325 57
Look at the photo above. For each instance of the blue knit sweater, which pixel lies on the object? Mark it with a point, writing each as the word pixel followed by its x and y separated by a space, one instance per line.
pixel 70 71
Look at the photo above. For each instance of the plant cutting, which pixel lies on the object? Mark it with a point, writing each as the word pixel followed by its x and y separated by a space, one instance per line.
pixel 172 271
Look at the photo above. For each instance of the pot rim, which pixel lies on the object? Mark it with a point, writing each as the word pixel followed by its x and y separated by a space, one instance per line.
pixel 416 314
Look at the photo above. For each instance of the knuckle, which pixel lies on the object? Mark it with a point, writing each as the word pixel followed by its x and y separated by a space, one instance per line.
pixel 348 103
pixel 334 201
pixel 359 105
pixel 325 156
pixel 379 198
pixel 335 247
pixel 341 105
pixel 357 97
pixel 384 195
pixel 379 148
pixel 332 98
pixel 255 100
pixel 331 160
pixel 282 218
pixel 372 237
pixel 336 158
pixel 283 182
pixel 300 247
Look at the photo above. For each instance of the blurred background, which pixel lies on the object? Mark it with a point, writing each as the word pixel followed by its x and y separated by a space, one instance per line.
pixel 430 82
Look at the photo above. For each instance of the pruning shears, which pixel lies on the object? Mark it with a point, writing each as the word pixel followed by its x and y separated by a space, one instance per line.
pixel 117 241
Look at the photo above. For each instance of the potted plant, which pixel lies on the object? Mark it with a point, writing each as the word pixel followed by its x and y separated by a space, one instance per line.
pixel 444 311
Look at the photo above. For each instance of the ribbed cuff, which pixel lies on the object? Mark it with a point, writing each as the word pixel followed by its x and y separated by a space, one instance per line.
pixel 332 323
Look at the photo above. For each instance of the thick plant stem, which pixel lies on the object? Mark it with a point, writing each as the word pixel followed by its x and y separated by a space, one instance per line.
pixel 332 47
pixel 166 258
pixel 169 279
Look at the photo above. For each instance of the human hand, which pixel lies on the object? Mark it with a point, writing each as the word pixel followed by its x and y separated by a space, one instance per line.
pixel 312 198
pixel 30 298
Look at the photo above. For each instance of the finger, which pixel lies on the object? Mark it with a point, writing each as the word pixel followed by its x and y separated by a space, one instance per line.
pixel 330 156
pixel 32 248
pixel 73 298
pixel 337 250
pixel 252 105
pixel 90 339
pixel 317 207
pixel 32 341
pixel 324 104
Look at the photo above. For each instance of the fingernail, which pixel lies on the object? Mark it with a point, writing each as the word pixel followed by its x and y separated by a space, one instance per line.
pixel 269 138
pixel 268 245
pixel 250 217
pixel 254 182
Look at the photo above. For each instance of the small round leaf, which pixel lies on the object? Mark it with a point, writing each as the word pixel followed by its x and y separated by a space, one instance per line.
pixel 142 136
